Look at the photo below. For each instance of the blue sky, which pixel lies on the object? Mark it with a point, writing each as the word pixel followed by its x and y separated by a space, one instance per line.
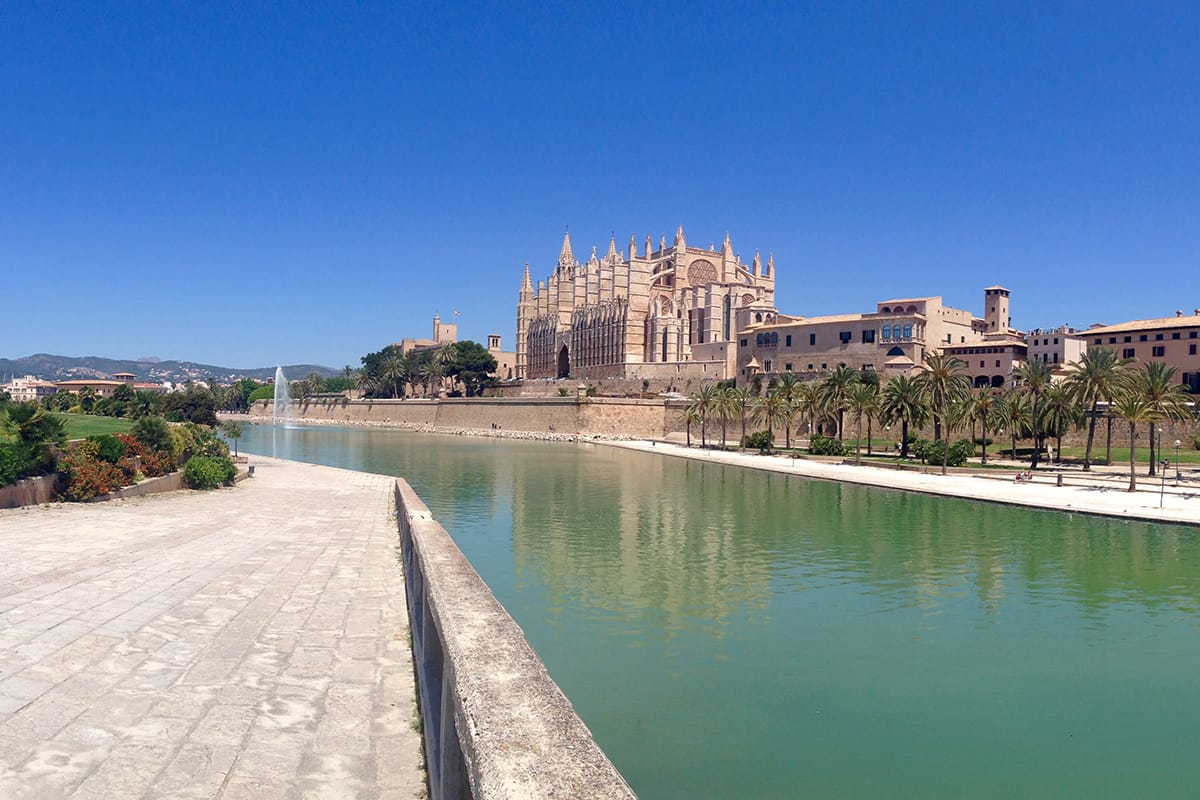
pixel 248 184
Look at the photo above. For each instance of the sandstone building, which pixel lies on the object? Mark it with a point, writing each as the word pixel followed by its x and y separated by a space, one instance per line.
pixel 1171 340
pixel 668 312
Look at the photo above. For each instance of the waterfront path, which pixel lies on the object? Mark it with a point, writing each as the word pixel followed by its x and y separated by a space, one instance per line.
pixel 1100 493
pixel 250 642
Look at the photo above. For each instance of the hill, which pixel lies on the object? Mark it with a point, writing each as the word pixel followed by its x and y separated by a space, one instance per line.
pixel 61 368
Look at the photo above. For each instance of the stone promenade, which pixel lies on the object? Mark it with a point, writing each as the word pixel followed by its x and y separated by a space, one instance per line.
pixel 250 642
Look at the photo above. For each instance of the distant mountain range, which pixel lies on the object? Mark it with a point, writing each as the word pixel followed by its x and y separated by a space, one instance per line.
pixel 149 370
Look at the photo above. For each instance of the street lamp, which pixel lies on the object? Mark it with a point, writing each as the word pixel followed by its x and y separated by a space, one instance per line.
pixel 1162 485
pixel 1177 462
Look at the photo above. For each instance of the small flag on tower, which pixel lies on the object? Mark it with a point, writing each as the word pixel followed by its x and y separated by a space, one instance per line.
pixel 457 313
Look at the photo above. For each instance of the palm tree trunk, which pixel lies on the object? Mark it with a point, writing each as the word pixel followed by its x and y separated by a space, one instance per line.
pixel 1108 444
pixel 1153 459
pixel 743 440
pixel 1132 462
pixel 1087 453
pixel 723 421
pixel 858 443
pixel 904 439
pixel 1037 436
pixel 689 434
pixel 868 434
pixel 1058 452
pixel 703 433
pixel 983 439
pixel 1014 447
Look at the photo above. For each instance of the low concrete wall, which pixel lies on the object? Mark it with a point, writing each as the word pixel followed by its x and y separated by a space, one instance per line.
pixel 495 724
pixel 164 483
pixel 29 492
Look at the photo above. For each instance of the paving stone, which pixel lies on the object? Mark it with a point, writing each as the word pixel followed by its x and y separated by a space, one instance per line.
pixel 248 642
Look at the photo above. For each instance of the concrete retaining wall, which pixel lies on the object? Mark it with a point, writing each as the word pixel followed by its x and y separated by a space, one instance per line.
pixel 495 724
pixel 29 492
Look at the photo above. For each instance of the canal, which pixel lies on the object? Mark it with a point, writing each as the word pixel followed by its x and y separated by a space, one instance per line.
pixel 734 633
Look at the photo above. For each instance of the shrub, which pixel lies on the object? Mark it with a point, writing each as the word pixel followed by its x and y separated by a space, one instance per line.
pixel 983 442
pixel 108 447
pixel 760 440
pixel 933 452
pixel 820 445
pixel 155 435
pixel 12 463
pixel 88 476
pixel 154 463
pixel 261 393
pixel 1196 443
pixel 208 472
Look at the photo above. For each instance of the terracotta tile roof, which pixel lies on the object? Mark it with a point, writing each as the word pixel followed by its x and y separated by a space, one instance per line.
pixel 1190 320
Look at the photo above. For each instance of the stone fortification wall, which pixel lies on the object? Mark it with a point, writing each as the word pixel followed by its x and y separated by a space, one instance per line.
pixel 495 724
pixel 567 415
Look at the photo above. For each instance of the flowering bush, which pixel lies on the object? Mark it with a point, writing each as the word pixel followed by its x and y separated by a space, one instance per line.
pixel 208 472
pixel 154 463
pixel 88 476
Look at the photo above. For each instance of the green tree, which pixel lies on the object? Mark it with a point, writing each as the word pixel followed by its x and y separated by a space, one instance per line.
pixel 787 386
pixel 473 365
pixel 833 390
pixel 1060 413
pixel 1136 409
pixel 944 381
pixel 772 411
pixel 1015 411
pixel 704 402
pixel 983 409
pixel 1034 376
pixel 691 416
pixel 742 398
pixel 904 401
pixel 861 399
pixel 232 431
pixel 195 403
pixel 36 433
pixel 1096 378
pixel 1155 384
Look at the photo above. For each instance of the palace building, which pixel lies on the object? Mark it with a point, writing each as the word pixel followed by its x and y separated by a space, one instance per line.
pixel 668 312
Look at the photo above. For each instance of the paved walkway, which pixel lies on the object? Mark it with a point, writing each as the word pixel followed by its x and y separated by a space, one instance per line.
pixel 1101 493
pixel 249 642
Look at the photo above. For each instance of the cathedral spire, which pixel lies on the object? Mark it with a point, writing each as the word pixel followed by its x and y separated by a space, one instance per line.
pixel 727 247
pixel 611 255
pixel 679 242
pixel 526 283
pixel 565 257
pixel 770 273
pixel 757 270
pixel 632 246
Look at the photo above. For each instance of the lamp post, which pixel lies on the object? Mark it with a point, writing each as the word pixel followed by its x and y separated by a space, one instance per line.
pixel 1177 443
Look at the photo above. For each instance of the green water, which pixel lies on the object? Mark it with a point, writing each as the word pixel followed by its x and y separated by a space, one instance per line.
pixel 734 633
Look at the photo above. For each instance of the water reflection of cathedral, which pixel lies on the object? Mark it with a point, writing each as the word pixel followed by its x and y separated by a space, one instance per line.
pixel 617 532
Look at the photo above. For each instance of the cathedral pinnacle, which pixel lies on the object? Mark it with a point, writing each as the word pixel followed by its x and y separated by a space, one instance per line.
pixel 679 242
pixel 526 283
pixel 566 258
pixel 611 255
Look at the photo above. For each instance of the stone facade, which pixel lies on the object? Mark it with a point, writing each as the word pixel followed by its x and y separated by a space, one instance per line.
pixel 1174 341
pixel 606 318
pixel 892 340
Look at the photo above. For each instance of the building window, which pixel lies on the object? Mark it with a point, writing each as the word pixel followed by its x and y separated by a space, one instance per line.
pixel 868 336
pixel 744 341
pixel 824 366
pixel 1175 335
pixel 1127 353
pixel 758 340
pixel 887 333
pixel 788 342
pixel 908 331
pixel 1158 337
pixel 1192 335
pixel 1112 340
pixel 810 367
pixel 1128 339
pixel 767 365
pixel 1158 351
pixel 845 336
pixel 1191 349
pixel 997 362
pixel 1056 358
pixel 1098 341
pixel 981 364
pixel 1056 340
pixel 1142 338
pixel 812 339
pixel 788 366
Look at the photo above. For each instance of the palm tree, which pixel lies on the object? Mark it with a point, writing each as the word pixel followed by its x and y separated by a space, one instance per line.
pixel 983 407
pixel 903 401
pixel 1168 400
pixel 787 386
pixel 1134 408
pixel 690 417
pixel 1060 413
pixel 945 381
pixel 726 406
pixel 445 355
pixel 1015 413
pixel 806 401
pixel 861 398
pixel 1034 375
pixel 431 373
pixel 1097 377
pixel 871 378
pixel 704 402
pixel 742 397
pixel 833 393
pixel 394 371
pixel 770 410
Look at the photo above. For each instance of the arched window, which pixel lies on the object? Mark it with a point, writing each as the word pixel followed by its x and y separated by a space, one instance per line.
pixel 908 331
pixel 758 340
pixel 896 351
pixel 774 339
pixel 887 332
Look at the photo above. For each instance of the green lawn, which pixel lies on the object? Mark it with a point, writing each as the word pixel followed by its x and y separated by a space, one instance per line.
pixel 80 426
